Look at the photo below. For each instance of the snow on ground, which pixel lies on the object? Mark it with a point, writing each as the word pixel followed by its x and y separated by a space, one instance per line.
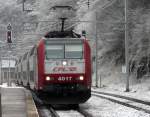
pixel 69 114
pixel 13 85
pixel 139 90
pixel 104 108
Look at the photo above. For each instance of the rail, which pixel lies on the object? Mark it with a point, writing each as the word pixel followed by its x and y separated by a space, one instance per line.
pixel 134 103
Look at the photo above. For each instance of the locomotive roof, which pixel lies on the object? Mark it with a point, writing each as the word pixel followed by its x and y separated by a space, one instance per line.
pixel 62 34
pixel 63 40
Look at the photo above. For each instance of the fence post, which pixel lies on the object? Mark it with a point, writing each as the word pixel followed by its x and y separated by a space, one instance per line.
pixel 97 82
pixel 100 81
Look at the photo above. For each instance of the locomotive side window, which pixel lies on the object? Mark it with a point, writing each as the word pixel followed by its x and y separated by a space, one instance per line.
pixel 74 51
pixel 54 51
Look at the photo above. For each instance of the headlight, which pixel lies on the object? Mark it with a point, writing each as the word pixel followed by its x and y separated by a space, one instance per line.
pixel 48 78
pixel 81 78
pixel 64 63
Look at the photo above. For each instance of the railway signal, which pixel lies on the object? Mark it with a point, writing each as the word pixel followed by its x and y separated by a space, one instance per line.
pixel 88 3
pixel 9 41
pixel 9 35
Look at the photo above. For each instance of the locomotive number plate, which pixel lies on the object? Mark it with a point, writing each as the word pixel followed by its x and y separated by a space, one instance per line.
pixel 64 78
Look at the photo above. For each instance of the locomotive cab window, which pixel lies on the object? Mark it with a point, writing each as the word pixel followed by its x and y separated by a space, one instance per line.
pixel 54 51
pixel 74 51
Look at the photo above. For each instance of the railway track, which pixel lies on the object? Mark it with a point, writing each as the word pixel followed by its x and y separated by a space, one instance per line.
pixel 46 111
pixel 84 113
pixel 49 111
pixel 134 103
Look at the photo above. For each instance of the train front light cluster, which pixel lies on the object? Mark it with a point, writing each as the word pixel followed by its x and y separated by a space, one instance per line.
pixel 48 78
pixel 81 78
pixel 64 63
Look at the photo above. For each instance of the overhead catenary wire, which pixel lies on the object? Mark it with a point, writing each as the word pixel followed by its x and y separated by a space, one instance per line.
pixel 103 7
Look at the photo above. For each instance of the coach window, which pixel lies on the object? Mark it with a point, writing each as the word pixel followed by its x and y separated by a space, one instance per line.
pixel 74 51
pixel 54 51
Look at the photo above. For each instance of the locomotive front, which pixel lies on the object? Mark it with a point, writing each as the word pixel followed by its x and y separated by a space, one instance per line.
pixel 67 71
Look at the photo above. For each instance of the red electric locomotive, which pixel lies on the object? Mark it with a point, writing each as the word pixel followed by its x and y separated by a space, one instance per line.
pixel 58 68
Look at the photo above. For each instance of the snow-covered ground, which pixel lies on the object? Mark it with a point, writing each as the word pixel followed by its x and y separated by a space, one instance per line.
pixel 104 108
pixel 69 114
pixel 140 90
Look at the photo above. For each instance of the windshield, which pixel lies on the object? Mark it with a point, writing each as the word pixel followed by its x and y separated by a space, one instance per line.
pixel 54 51
pixel 72 51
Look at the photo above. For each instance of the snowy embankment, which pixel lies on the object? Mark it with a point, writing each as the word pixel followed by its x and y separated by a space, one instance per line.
pixel 104 108
pixel 140 90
